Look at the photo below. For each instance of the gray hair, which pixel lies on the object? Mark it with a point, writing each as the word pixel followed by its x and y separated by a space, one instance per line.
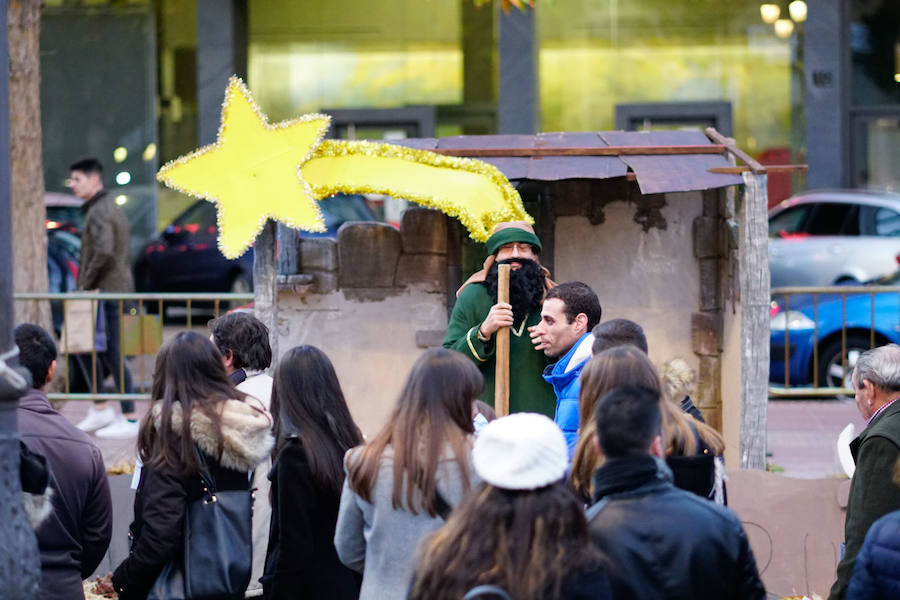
pixel 880 366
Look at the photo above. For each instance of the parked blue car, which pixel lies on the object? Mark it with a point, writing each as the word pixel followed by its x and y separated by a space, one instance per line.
pixel 800 321
pixel 186 258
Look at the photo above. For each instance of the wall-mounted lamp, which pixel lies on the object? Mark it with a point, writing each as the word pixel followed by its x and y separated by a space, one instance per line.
pixel 784 28
pixel 797 10
pixel 769 13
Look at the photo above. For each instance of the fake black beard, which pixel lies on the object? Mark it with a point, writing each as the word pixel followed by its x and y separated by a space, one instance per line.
pixel 526 286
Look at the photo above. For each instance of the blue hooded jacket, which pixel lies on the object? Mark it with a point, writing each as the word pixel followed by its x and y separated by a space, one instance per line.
pixel 566 386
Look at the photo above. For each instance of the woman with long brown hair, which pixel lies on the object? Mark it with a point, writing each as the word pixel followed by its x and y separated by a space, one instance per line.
pixel 313 431
pixel 402 484
pixel 683 435
pixel 197 416
pixel 522 530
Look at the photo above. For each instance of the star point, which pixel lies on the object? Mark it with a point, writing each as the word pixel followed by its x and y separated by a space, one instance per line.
pixel 251 171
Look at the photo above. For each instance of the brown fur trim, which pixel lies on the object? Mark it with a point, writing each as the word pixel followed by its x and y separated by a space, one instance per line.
pixel 246 431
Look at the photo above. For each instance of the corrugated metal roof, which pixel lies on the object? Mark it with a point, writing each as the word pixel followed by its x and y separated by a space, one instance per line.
pixel 658 173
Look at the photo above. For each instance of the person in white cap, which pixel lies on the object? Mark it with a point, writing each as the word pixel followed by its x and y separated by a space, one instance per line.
pixel 521 534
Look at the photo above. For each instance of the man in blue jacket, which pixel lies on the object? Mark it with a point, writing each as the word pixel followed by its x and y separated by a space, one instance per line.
pixel 570 312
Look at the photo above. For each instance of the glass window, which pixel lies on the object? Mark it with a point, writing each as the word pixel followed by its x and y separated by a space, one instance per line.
pixel 309 56
pixel 832 218
pixel 875 52
pixel 788 221
pixel 876 160
pixel 595 54
pixel 887 222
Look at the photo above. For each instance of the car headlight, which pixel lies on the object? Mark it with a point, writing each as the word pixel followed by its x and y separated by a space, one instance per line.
pixel 792 320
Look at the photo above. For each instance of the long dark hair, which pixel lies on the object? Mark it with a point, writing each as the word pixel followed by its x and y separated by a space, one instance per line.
pixel 434 412
pixel 189 373
pixel 528 542
pixel 307 402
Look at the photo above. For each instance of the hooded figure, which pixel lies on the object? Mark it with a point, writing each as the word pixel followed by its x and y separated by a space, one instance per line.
pixel 477 317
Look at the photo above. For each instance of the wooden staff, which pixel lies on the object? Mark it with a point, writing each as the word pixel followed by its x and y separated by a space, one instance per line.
pixel 501 352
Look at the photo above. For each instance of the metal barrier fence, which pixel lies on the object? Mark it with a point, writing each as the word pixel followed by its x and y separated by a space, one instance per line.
pixel 141 321
pixel 818 333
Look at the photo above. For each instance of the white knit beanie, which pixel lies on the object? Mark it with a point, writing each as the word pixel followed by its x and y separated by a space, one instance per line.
pixel 523 451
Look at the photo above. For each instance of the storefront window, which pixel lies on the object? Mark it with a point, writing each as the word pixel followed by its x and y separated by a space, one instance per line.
pixel 875 52
pixel 309 56
pixel 597 54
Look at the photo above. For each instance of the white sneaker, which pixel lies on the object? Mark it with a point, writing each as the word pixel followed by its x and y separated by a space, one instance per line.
pixel 121 429
pixel 97 419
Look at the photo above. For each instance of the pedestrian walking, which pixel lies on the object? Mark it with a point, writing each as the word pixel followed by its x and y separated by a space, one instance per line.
pixel 521 530
pixel 198 422
pixel 104 265
pixel 402 484
pixel 313 431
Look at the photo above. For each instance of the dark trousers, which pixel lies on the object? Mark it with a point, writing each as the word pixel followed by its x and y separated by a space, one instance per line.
pixel 112 360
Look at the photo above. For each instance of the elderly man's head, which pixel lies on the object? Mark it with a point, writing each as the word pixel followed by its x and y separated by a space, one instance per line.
pixel 876 378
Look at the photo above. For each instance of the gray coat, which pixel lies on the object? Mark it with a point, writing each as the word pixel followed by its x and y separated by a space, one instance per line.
pixel 104 262
pixel 379 541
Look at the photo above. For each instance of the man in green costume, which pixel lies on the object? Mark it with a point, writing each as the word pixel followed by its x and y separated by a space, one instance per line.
pixel 477 316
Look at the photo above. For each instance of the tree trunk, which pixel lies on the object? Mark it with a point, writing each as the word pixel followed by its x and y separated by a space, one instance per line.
pixel 29 235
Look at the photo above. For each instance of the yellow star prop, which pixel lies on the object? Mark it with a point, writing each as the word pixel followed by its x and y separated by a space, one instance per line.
pixel 256 171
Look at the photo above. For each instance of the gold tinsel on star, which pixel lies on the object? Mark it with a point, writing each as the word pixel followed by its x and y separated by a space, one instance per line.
pixel 255 171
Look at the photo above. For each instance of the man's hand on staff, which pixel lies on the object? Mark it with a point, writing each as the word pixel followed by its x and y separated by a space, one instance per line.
pixel 501 315
pixel 537 337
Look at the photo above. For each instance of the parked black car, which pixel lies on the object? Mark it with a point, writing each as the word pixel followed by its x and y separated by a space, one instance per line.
pixel 185 257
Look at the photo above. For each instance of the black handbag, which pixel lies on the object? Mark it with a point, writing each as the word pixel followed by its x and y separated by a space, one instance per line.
pixel 218 547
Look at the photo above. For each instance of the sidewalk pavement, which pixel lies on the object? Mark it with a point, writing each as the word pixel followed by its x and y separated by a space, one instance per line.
pixel 802 435
pixel 115 452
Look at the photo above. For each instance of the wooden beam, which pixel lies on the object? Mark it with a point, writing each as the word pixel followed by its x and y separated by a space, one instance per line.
pixel 596 151
pixel 732 148
pixel 754 285
pixel 770 168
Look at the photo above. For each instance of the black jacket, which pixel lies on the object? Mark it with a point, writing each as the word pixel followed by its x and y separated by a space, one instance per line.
pixel 74 537
pixel 301 553
pixel 163 495
pixel 667 543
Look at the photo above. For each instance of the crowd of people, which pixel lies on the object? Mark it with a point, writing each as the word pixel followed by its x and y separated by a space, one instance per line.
pixel 604 483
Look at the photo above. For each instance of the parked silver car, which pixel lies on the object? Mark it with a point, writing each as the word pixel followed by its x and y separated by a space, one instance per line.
pixel 826 237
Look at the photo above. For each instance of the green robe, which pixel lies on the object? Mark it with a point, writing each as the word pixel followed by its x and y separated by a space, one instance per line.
pixel 528 392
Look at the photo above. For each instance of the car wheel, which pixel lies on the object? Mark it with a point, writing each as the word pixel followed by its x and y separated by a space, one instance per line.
pixel 834 370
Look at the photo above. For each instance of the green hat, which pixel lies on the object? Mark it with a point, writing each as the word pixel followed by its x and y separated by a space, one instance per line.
pixel 512 233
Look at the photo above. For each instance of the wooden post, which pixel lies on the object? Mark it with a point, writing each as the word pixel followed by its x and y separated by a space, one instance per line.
pixel 265 284
pixel 501 352
pixel 754 282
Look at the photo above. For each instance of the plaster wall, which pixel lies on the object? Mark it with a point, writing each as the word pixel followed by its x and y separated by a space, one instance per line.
pixel 651 278
pixel 371 343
